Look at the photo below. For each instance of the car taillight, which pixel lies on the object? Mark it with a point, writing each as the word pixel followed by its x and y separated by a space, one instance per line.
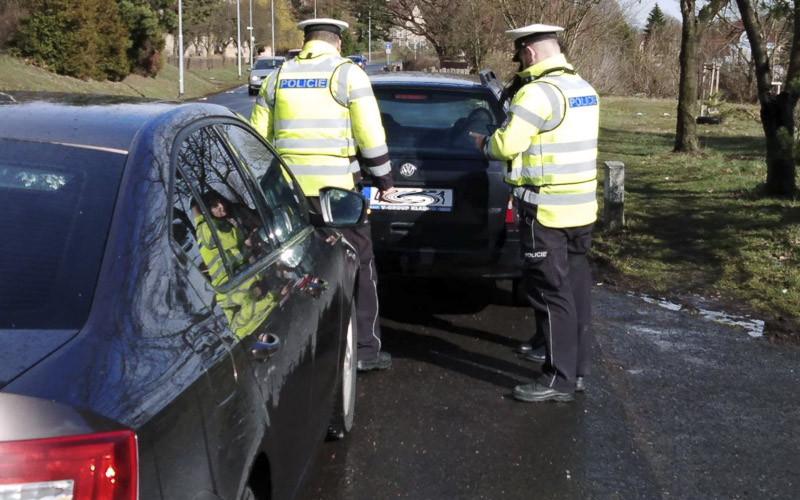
pixel 87 467
pixel 510 211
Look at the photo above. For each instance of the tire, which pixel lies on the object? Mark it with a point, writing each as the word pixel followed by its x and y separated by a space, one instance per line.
pixel 251 91
pixel 345 400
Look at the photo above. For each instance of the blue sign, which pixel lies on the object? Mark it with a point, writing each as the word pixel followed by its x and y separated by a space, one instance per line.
pixel 579 102
pixel 388 45
pixel 304 83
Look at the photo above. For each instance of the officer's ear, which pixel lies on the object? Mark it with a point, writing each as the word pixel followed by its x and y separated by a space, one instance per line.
pixel 531 53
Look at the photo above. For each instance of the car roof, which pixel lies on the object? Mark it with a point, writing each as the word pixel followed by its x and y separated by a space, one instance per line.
pixel 90 121
pixel 415 78
pixel 267 58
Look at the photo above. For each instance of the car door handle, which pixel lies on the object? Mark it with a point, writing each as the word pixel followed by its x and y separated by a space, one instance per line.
pixel 265 346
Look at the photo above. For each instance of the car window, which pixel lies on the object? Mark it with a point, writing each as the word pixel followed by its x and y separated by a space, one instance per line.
pixel 287 208
pixel 58 202
pixel 435 120
pixel 214 213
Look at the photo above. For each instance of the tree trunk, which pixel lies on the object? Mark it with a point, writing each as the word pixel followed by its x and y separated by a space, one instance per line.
pixel 686 130
pixel 777 111
pixel 777 118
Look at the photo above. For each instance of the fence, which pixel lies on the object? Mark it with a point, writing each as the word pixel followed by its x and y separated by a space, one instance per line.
pixel 204 62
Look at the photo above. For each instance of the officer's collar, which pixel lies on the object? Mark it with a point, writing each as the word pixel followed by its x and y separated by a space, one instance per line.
pixel 534 70
pixel 315 48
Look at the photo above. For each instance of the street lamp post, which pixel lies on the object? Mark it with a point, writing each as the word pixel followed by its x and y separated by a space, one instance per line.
pixel 272 5
pixel 250 30
pixel 315 9
pixel 369 37
pixel 238 39
pixel 180 49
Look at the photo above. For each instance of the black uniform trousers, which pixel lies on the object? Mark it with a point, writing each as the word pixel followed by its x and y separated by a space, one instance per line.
pixel 366 292
pixel 559 289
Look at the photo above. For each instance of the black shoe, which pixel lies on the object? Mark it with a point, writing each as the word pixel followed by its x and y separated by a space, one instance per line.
pixel 537 355
pixel 381 362
pixel 580 384
pixel 534 393
pixel 523 348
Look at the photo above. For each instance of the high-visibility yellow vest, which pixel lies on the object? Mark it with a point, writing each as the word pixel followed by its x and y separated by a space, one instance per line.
pixel 558 170
pixel 244 310
pixel 311 128
pixel 231 239
pixel 318 110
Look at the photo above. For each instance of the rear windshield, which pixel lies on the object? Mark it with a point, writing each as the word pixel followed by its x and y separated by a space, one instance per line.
pixel 267 63
pixel 436 121
pixel 57 203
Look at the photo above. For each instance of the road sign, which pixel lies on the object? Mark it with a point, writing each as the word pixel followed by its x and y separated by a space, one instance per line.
pixel 388 46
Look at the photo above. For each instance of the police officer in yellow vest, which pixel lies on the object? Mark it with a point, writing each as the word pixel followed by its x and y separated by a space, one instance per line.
pixel 550 142
pixel 320 113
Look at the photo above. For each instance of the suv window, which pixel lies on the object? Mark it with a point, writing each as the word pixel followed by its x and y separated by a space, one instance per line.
pixel 286 207
pixel 58 202
pixel 435 120
pixel 214 213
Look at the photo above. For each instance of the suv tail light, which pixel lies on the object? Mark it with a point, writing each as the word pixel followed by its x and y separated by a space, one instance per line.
pixel 511 215
pixel 87 467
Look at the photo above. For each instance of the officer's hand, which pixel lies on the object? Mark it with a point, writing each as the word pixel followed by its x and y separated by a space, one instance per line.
pixel 480 139
pixel 383 195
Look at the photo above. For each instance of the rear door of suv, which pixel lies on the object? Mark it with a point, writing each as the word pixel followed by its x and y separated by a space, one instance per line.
pixel 448 201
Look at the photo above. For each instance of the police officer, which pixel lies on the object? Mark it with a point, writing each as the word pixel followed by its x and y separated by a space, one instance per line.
pixel 550 140
pixel 319 112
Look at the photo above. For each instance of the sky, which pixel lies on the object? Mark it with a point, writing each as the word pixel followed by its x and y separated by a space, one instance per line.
pixel 641 9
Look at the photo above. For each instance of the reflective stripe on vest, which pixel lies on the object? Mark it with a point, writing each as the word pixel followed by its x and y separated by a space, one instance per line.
pixel 313 133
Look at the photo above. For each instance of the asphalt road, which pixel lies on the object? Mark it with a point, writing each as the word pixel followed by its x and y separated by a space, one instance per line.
pixel 677 406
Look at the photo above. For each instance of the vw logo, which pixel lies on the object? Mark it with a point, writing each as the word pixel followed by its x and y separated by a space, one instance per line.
pixel 408 169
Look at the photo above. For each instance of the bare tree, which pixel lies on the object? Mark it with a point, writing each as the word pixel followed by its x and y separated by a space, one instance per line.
pixel 11 11
pixel 572 15
pixel 432 19
pixel 777 109
pixel 691 33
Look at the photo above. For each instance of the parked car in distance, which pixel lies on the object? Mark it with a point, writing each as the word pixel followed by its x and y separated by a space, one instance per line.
pixel 262 67
pixel 360 60
pixel 452 214
pixel 175 323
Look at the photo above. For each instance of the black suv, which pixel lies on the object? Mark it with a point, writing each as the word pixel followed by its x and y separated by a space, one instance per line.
pixel 452 215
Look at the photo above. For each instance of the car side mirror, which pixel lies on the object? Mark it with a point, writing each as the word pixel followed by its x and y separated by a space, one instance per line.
pixel 342 207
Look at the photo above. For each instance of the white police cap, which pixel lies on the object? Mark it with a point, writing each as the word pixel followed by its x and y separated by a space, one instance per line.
pixel 324 24
pixel 532 32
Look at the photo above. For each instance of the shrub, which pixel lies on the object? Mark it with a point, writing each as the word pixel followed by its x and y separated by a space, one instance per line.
pixel 80 38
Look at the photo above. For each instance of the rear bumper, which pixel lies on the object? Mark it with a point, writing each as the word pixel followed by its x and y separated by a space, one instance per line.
pixel 428 262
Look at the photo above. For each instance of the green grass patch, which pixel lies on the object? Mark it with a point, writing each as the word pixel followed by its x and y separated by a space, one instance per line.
pixel 17 75
pixel 694 222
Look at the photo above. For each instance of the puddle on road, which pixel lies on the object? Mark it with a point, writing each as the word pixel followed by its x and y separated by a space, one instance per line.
pixel 753 327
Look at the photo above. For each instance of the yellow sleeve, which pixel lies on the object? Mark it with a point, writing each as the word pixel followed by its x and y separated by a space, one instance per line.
pixel 533 106
pixel 365 118
pixel 261 115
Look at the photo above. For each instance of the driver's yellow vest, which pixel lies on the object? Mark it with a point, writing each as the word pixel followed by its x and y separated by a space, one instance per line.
pixel 311 122
pixel 558 172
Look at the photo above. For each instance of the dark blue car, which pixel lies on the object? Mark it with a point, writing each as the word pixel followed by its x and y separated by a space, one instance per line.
pixel 174 322
pixel 360 60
